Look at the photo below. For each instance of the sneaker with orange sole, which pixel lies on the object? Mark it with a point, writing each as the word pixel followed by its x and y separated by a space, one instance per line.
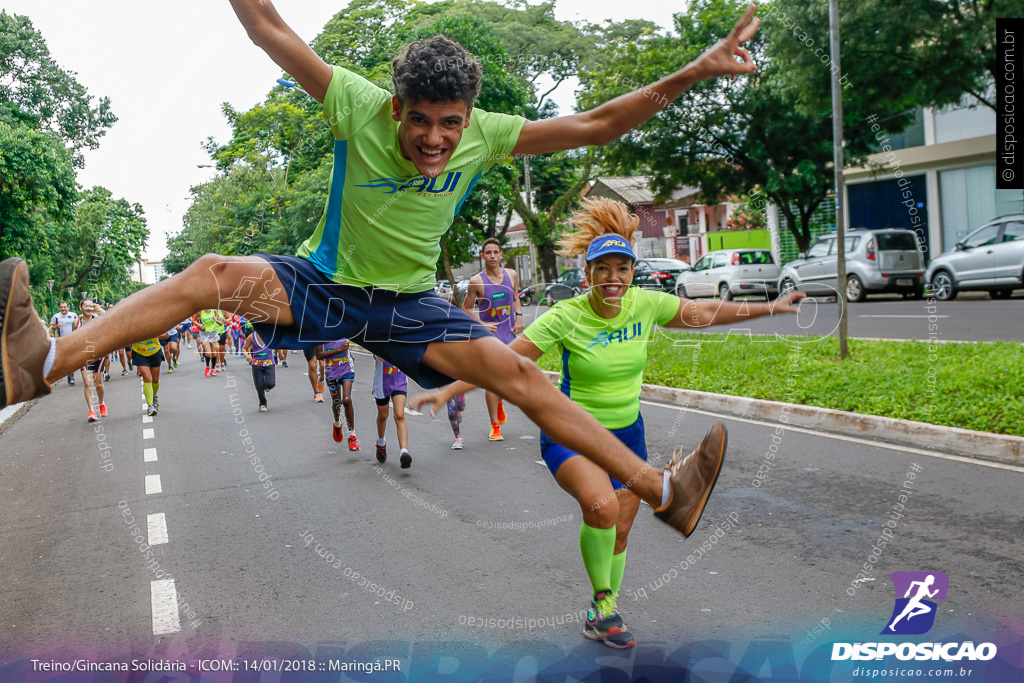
pixel 353 442
pixel 103 410
pixel 495 434
pixel 92 416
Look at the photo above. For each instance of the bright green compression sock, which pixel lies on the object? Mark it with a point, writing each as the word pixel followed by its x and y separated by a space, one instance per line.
pixel 618 569
pixel 156 389
pixel 596 547
pixel 147 389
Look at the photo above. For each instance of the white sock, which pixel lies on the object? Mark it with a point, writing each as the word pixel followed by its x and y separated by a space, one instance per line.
pixel 51 356
pixel 666 487
pixel 337 424
pixel 404 450
pixel 381 441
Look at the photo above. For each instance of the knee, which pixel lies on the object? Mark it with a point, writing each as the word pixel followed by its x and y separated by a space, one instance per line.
pixel 600 514
pixel 346 401
pixel 523 378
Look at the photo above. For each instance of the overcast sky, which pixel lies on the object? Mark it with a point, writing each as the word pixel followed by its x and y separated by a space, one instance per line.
pixel 168 66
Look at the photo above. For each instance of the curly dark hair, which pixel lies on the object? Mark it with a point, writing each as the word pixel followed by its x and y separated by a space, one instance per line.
pixel 436 70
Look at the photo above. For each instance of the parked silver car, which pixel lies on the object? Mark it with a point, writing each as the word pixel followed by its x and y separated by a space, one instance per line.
pixel 730 272
pixel 888 260
pixel 991 259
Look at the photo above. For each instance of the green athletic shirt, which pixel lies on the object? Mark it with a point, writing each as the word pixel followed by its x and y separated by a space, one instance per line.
pixel 603 359
pixel 383 221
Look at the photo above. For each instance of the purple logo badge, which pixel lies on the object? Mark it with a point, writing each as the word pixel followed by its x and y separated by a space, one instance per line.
pixel 916 592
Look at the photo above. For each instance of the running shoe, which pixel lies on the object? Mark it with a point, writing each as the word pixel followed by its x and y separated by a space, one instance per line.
pixel 156 403
pixel 382 453
pixel 692 480
pixel 353 442
pixel 23 341
pixel 206 371
pixel 103 410
pixel 175 362
pixel 92 416
pixel 284 364
pixel 170 369
pixel 151 411
pixel 124 372
pixel 337 433
pixel 106 376
pixel 71 380
pixel 263 409
pixel 501 412
pixel 605 624
pixel 495 434
pixel 318 398
pixel 405 460
pixel 457 444
pixel 213 373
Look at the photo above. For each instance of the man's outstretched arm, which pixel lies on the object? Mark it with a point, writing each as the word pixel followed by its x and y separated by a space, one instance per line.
pixel 614 118
pixel 267 29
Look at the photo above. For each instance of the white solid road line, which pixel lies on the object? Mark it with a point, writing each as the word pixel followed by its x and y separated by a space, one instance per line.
pixel 902 316
pixel 164 599
pixel 157 527
pixel 149 455
pixel 842 437
pixel 153 485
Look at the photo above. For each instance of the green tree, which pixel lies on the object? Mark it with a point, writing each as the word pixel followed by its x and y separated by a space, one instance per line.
pixel 896 55
pixel 723 136
pixel 37 186
pixel 36 93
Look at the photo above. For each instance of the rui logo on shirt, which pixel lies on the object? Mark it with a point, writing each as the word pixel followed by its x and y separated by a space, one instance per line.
pixel 623 335
pixel 422 184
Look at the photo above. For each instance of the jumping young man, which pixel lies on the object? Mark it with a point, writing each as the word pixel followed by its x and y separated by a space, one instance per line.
pixel 404 163
pixel 494 290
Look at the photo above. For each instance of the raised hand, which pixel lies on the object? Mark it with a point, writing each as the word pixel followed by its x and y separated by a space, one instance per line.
pixel 720 58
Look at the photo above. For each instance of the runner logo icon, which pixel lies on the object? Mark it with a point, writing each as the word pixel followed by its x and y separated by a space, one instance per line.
pixel 915 608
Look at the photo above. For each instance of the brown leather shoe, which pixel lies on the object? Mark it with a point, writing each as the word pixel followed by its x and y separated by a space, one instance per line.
pixel 23 340
pixel 692 481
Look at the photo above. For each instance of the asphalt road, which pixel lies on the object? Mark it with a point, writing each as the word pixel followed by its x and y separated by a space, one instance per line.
pixel 465 566
pixel 971 317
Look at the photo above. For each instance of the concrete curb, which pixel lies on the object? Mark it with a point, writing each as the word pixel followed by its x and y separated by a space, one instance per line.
pixel 951 440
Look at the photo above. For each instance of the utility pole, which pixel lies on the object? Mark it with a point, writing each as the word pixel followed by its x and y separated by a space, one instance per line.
pixel 837 156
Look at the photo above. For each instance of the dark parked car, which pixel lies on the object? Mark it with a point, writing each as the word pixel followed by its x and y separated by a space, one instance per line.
pixel 659 273
pixel 567 285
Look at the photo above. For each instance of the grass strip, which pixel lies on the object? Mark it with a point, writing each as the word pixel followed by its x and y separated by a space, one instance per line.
pixel 972 386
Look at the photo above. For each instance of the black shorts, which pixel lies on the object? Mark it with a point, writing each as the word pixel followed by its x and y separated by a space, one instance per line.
pixel 223 338
pixel 154 361
pixel 397 326
pixel 384 401
pixel 94 365
pixel 309 354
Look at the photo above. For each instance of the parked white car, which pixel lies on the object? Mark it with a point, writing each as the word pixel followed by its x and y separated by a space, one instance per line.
pixel 729 273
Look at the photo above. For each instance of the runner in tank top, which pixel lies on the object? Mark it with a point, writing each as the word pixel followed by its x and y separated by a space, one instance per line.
pixel 339 374
pixel 494 291
pixel 262 360
pixel 92 372
pixel 391 385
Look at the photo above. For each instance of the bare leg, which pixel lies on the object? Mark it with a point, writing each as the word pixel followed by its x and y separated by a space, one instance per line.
pixel 401 426
pixel 346 400
pixel 492 400
pixel 488 363
pixel 382 420
pixel 241 284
